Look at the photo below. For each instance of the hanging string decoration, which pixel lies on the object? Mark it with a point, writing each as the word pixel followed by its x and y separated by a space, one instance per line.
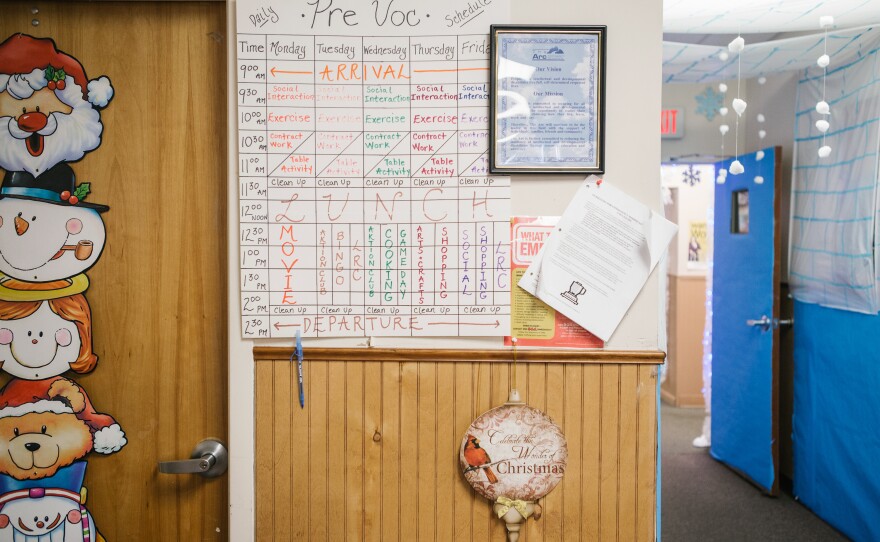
pixel 761 133
pixel 822 107
pixel 760 154
pixel 724 128
pixel 739 105
pixel 722 173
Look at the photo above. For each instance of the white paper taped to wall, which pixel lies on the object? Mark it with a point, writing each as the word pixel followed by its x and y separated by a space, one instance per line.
pixel 596 262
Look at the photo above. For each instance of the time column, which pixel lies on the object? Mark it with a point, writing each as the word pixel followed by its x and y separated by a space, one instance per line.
pixel 253 189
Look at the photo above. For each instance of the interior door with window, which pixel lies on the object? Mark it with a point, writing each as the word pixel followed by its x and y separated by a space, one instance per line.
pixel 745 319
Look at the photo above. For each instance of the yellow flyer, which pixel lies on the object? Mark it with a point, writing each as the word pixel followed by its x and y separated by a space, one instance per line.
pixel 533 322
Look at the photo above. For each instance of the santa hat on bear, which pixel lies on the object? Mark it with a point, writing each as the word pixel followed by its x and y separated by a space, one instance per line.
pixel 59 395
pixel 37 63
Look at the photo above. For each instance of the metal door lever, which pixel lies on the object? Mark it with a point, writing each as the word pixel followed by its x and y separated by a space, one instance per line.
pixel 766 323
pixel 210 458
pixel 763 323
pixel 188 466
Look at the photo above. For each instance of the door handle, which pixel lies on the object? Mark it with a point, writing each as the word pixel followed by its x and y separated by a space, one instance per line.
pixel 766 323
pixel 209 458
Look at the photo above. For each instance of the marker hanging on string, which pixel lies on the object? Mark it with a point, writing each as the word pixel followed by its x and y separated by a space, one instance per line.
pixel 298 352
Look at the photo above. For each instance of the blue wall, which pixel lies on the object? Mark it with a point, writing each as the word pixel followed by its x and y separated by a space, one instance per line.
pixel 836 422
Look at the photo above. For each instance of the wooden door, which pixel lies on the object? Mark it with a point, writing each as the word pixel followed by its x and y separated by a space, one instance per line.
pixel 158 293
pixel 745 320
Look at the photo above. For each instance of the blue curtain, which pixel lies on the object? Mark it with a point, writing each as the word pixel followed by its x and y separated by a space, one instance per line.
pixel 836 421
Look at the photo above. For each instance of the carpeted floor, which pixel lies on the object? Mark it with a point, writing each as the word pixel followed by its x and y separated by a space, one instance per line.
pixel 705 501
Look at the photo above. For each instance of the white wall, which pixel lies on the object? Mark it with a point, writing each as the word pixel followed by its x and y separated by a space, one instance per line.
pixel 632 150
pixel 701 136
pixel 690 204
pixel 632 156
pixel 775 99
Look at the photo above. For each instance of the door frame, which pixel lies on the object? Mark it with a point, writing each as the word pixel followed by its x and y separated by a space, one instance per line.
pixel 240 352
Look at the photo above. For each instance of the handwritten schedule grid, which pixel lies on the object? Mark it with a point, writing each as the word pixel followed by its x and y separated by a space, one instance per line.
pixel 366 205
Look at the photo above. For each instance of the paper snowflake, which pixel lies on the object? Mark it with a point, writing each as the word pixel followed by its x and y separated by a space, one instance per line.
pixel 691 176
pixel 709 102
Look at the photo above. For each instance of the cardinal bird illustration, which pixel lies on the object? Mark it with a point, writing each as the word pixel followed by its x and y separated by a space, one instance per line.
pixel 477 456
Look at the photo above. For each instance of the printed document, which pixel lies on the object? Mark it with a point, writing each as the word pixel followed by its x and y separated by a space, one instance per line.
pixel 599 258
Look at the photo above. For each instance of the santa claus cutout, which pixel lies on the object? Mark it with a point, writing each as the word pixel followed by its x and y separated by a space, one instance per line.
pixel 49 109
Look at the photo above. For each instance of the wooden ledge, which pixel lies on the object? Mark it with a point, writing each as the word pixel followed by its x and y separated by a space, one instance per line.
pixel 637 357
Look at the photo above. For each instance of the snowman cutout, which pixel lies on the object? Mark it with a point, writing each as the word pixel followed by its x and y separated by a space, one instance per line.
pixel 47 518
pixel 50 510
pixel 49 109
pixel 47 231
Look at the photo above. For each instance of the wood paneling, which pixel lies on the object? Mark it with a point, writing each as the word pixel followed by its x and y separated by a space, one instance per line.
pixel 374 453
pixel 158 293
pixel 685 324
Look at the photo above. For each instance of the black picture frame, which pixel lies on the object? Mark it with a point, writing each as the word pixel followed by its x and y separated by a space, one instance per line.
pixel 556 39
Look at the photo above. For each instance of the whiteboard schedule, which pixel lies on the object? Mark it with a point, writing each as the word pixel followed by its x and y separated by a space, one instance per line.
pixel 366 206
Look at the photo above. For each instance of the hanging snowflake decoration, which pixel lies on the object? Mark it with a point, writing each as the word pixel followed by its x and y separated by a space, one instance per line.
pixel 691 176
pixel 709 102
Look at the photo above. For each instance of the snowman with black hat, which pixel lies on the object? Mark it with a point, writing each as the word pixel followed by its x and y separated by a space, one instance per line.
pixel 48 232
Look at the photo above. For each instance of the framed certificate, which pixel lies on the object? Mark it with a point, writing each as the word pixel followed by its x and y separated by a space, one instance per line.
pixel 547 99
